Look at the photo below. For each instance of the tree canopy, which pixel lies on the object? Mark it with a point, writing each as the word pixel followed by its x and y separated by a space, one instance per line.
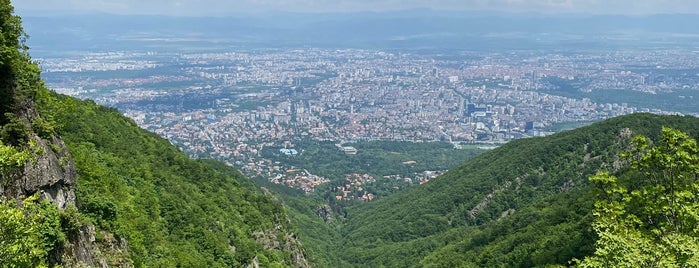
pixel 29 233
pixel 653 221
pixel 19 76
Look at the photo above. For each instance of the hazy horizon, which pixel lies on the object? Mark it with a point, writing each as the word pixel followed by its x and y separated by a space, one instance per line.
pixel 229 8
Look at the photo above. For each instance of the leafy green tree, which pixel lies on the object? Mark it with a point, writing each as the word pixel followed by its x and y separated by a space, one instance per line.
pixel 654 222
pixel 11 159
pixel 29 233
pixel 12 54
pixel 20 80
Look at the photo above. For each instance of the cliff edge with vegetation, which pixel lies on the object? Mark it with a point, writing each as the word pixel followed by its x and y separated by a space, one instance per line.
pixel 82 185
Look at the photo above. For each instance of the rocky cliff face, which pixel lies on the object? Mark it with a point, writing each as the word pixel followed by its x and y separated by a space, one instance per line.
pixel 326 213
pixel 85 251
pixel 270 239
pixel 276 239
pixel 51 174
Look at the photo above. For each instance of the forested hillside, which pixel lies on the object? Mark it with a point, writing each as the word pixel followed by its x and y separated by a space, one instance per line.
pixel 527 203
pixel 141 200
pixel 172 210
pixel 82 185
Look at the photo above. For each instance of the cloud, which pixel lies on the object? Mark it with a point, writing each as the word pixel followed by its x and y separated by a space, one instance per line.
pixel 224 7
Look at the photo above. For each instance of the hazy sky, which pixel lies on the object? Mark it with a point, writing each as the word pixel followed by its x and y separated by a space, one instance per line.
pixel 227 7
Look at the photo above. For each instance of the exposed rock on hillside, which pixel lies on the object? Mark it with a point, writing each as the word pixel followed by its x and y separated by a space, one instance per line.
pixel 289 243
pixel 326 213
pixel 51 174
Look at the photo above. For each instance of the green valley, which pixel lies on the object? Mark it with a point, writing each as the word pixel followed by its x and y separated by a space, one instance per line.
pixel 527 203
pixel 444 173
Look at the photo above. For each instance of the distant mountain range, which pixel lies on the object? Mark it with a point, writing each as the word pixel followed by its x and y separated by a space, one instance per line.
pixel 416 29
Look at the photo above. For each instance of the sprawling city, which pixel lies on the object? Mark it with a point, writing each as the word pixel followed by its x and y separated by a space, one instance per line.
pixel 233 105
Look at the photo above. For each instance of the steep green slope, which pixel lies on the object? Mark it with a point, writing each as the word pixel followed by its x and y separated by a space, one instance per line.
pixel 38 221
pixel 320 238
pixel 172 210
pixel 527 203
